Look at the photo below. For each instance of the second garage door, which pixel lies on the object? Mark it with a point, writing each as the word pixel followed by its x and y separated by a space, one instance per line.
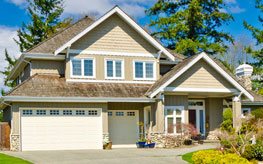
pixel 61 129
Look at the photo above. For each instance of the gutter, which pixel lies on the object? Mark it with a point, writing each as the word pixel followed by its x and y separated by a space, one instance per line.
pixel 75 99
pixel 252 103
pixel 31 56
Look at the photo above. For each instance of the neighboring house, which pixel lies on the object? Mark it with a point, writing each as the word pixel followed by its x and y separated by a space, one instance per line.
pixel 99 79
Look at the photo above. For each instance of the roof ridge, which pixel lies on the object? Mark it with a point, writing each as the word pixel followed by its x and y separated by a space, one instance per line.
pixel 58 32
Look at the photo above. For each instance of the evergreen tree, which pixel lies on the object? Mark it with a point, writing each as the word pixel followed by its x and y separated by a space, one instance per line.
pixel 11 62
pixel 191 26
pixel 45 21
pixel 257 34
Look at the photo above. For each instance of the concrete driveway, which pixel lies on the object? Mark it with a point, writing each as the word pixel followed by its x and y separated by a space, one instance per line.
pixel 115 156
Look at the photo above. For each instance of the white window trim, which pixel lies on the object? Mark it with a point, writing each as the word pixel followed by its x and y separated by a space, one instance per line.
pixel 144 69
pixel 114 68
pixel 242 110
pixel 82 67
pixel 173 116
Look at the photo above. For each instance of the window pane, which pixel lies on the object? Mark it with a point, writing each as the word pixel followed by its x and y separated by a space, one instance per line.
pixel 149 70
pixel 178 125
pixel 109 68
pixel 118 68
pixel 138 69
pixel 201 121
pixel 169 111
pixel 88 67
pixel 178 112
pixel 76 64
pixel 170 124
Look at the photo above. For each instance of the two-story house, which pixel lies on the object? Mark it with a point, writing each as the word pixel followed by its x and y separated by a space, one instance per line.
pixel 98 79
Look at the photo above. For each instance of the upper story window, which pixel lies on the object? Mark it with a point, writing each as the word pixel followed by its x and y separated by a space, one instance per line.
pixel 83 68
pixel 114 69
pixel 144 70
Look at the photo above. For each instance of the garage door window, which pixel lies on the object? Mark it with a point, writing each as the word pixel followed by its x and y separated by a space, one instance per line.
pixel 54 112
pixel 93 112
pixel 109 113
pixel 67 112
pixel 41 112
pixel 80 112
pixel 27 112
pixel 130 113
pixel 119 113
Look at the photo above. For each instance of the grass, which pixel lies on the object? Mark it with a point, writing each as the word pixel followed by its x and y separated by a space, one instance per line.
pixel 6 159
pixel 188 157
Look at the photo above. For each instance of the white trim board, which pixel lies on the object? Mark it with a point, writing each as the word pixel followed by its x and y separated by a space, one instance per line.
pixel 210 90
pixel 131 22
pixel 109 81
pixel 204 56
pixel 75 99
pixel 111 53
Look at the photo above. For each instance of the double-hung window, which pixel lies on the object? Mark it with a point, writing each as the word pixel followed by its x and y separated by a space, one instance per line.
pixel 173 119
pixel 114 69
pixel 83 68
pixel 144 70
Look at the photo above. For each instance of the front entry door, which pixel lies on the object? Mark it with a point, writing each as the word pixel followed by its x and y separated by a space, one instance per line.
pixel 197 115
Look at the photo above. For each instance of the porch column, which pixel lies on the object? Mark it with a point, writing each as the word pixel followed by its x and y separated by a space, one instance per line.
pixel 236 112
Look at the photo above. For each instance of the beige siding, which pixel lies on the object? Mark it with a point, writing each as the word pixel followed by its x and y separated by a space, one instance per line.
pixel 16 115
pixel 157 115
pixel 178 100
pixel 214 113
pixel 48 67
pixel 100 65
pixel 114 35
pixel 201 75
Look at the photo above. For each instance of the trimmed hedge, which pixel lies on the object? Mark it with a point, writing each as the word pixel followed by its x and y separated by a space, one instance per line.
pixel 215 156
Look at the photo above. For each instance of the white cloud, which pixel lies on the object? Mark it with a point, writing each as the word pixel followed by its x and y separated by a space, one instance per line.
pixel 236 9
pixel 7 35
pixel 17 2
pixel 230 1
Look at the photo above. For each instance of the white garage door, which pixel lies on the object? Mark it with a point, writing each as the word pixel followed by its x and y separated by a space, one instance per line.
pixel 123 127
pixel 61 129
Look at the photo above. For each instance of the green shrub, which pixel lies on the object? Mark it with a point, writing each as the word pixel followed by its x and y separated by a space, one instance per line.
pixel 258 113
pixel 227 123
pixel 217 157
pixel 254 151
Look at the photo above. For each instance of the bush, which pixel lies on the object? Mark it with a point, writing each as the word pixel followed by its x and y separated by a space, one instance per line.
pixel 227 123
pixel 215 156
pixel 258 113
pixel 254 151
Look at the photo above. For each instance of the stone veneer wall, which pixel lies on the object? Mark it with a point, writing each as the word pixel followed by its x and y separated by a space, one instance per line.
pixel 15 142
pixel 166 141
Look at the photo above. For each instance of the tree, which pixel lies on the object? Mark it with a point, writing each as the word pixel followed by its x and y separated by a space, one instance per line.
pixel 191 26
pixel 257 52
pixel 10 64
pixel 45 21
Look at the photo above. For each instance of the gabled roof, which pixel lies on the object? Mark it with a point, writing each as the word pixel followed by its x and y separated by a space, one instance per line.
pixel 52 85
pixel 186 64
pixel 50 45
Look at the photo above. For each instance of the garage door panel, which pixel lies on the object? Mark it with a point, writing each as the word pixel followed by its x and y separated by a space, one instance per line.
pixel 61 132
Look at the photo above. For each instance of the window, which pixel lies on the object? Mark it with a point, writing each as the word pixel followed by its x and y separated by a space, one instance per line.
pixel 93 112
pixel 54 112
pixel 67 112
pixel 27 112
pixel 119 113
pixel 114 69
pixel 82 68
pixel 41 112
pixel 144 70
pixel 109 113
pixel 173 119
pixel 130 113
pixel 80 112
pixel 245 112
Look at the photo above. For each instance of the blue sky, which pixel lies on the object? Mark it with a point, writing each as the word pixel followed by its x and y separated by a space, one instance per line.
pixel 13 13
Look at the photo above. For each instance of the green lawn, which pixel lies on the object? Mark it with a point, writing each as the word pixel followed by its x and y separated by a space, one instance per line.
pixel 188 157
pixel 6 159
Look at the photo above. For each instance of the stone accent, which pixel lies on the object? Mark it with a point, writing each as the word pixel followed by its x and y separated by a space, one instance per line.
pixel 106 138
pixel 246 81
pixel 212 135
pixel 166 141
pixel 15 142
